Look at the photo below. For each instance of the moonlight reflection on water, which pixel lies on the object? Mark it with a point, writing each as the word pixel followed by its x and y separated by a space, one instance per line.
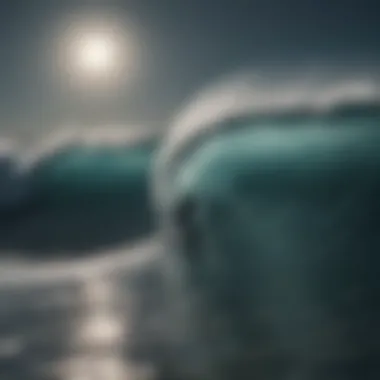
pixel 70 325
pixel 97 338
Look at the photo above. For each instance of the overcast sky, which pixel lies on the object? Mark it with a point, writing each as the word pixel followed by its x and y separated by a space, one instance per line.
pixel 189 43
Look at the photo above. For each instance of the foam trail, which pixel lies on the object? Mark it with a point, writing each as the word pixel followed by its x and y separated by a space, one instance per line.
pixel 125 259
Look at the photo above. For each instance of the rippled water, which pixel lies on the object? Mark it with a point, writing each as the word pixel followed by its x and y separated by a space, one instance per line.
pixel 72 328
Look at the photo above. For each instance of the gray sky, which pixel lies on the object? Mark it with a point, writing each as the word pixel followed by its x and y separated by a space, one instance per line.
pixel 189 43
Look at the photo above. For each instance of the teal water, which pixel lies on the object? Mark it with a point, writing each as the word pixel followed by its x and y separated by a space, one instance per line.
pixel 80 198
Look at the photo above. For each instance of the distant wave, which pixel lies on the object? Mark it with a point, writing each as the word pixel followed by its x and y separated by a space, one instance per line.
pixel 76 193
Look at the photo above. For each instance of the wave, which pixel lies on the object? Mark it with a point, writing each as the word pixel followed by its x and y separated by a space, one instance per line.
pixel 76 193
pixel 246 99
pixel 82 195
pixel 244 244
pixel 82 191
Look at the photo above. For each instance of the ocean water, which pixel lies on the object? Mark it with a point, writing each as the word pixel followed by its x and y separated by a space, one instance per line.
pixel 75 224
pixel 284 250
pixel 272 198
pixel 75 199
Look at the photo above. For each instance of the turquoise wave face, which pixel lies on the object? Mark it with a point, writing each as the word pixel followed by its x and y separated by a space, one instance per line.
pixel 92 172
pixel 276 157
pixel 82 199
pixel 279 226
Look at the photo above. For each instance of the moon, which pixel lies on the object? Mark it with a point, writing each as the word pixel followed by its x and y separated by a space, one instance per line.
pixel 97 54
pixel 98 51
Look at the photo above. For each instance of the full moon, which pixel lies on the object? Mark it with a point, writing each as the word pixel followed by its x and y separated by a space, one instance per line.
pixel 98 52
pixel 98 56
